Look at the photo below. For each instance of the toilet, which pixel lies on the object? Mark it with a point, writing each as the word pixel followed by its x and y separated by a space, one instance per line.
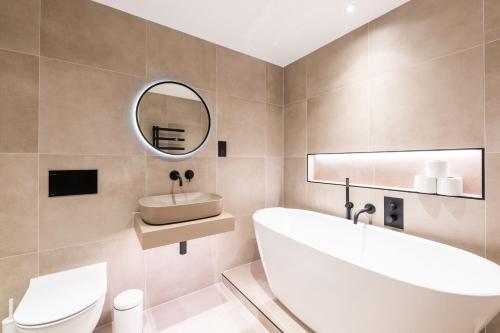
pixel 64 302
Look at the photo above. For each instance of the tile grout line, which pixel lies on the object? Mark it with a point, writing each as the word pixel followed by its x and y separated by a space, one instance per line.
pixel 38 137
pixel 485 135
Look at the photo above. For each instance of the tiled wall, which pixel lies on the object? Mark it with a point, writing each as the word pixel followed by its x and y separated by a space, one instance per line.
pixel 426 75
pixel 69 73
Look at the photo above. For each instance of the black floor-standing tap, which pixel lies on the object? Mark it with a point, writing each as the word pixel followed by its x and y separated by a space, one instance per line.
pixel 348 204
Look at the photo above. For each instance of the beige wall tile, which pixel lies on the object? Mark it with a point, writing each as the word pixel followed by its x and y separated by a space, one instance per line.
pixel 295 81
pixel 237 247
pixel 72 220
pixel 274 182
pixel 18 102
pixel 452 221
pixel 492 204
pixel 158 180
pixel 19 25
pixel 339 121
pixel 274 76
pixel 492 21
pixel 296 130
pixel 275 131
pixel 242 124
pixel 295 183
pixel 436 105
pixel 170 275
pixel 240 181
pixel 16 273
pixel 492 123
pixel 239 75
pixel 89 33
pixel 330 199
pixel 341 62
pixel 124 258
pixel 176 55
pixel 18 204
pixel 422 30
pixel 85 110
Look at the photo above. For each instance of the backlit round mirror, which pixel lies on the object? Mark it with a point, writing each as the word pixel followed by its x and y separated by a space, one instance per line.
pixel 173 119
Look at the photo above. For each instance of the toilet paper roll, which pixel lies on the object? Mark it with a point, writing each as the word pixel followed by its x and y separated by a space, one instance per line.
pixel 436 168
pixel 424 184
pixel 450 186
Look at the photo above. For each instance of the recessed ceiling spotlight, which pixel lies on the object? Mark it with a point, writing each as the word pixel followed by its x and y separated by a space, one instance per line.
pixel 350 8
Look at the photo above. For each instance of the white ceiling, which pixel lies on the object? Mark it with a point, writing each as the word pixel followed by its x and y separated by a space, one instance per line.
pixel 277 31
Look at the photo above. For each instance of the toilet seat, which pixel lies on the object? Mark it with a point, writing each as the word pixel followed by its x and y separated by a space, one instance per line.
pixel 56 322
pixel 59 297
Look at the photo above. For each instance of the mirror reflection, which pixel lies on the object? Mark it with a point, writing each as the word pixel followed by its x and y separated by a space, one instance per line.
pixel 173 118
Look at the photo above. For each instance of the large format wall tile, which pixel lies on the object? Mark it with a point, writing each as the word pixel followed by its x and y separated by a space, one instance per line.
pixel 295 183
pixel 457 222
pixel 124 258
pixel 492 204
pixel 16 273
pixel 72 220
pixel 422 30
pixel 158 180
pixel 435 105
pixel 241 182
pixel 85 110
pixel 19 25
pixel 339 63
pixel 296 130
pixel 274 76
pixel 339 121
pixel 86 32
pixel 18 204
pixel 176 55
pixel 170 275
pixel 492 124
pixel 275 131
pixel 492 22
pixel 274 182
pixel 236 247
pixel 242 124
pixel 295 81
pixel 240 75
pixel 18 102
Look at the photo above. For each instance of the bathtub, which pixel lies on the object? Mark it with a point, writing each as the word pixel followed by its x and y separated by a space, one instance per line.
pixel 340 277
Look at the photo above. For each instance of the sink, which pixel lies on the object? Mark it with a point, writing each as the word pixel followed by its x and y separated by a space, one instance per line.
pixel 180 207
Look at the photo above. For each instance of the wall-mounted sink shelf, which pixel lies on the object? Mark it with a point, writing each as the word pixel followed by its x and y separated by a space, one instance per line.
pixel 151 236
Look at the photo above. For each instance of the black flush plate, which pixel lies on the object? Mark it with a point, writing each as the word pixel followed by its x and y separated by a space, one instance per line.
pixel 394 212
pixel 222 148
pixel 72 182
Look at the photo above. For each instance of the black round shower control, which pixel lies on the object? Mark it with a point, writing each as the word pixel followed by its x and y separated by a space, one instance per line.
pixel 189 174
pixel 392 206
pixel 390 219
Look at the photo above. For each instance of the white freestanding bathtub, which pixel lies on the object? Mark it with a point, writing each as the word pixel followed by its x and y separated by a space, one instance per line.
pixel 340 277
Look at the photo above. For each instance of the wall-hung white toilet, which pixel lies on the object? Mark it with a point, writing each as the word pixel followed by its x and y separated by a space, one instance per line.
pixel 63 302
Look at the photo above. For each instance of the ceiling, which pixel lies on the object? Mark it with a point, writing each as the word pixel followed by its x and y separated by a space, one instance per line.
pixel 277 31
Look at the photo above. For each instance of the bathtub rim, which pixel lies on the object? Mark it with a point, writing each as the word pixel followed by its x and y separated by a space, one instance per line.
pixel 492 294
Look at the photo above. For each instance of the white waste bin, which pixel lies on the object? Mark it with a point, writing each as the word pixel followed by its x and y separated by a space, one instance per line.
pixel 127 312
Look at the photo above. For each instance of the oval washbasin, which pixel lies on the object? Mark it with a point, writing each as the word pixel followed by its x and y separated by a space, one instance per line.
pixel 179 207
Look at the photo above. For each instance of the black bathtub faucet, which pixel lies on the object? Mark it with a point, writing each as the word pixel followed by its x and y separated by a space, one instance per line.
pixel 369 209
pixel 348 204
pixel 175 175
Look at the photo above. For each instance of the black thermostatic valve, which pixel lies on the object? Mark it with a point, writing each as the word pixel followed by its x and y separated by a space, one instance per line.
pixel 72 182
pixel 394 212
pixel 222 148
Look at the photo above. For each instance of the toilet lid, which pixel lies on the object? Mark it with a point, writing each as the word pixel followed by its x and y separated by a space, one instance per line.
pixel 51 298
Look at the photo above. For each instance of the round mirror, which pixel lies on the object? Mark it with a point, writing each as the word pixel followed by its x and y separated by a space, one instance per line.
pixel 173 119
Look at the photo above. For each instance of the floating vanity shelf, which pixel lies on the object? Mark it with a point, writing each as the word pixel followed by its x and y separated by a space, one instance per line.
pixel 151 236
pixel 395 170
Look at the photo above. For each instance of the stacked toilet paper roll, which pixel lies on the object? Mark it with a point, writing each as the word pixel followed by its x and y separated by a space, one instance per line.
pixel 450 186
pixel 436 168
pixel 436 180
pixel 424 184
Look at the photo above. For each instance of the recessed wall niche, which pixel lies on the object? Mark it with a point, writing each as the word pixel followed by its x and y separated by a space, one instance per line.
pixel 396 170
